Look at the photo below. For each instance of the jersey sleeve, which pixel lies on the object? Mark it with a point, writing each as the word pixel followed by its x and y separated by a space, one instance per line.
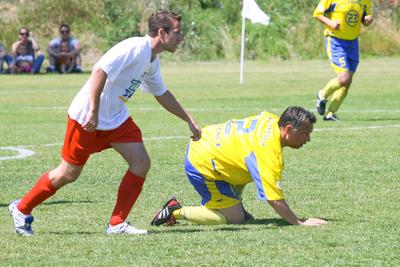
pixel 266 171
pixel 153 82
pixel 73 43
pixel 55 43
pixel 115 60
pixel 321 8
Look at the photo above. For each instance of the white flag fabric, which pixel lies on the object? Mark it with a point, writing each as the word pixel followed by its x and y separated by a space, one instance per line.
pixel 252 12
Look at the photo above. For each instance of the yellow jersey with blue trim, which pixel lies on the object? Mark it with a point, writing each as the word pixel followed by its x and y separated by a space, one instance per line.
pixel 349 13
pixel 240 152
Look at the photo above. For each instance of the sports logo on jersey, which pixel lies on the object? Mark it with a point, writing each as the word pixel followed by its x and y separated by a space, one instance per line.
pixel 267 131
pixel 130 90
pixel 352 18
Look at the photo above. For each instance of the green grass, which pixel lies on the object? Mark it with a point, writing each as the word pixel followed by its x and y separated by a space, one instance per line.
pixel 348 174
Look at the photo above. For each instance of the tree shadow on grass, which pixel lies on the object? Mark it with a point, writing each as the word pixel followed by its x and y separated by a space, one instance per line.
pixel 273 222
pixel 61 202
pixel 175 230
pixel 57 202
pixel 69 233
pixel 281 222
pixel 270 223
pixel 379 119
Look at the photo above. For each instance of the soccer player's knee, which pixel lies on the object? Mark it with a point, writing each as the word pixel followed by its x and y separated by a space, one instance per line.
pixel 345 80
pixel 146 163
pixel 342 80
pixel 236 218
pixel 143 163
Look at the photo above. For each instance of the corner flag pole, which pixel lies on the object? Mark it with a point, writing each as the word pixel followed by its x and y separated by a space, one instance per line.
pixel 242 49
pixel 252 12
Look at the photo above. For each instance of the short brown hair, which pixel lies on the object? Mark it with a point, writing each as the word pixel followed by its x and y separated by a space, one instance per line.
pixel 296 116
pixel 162 19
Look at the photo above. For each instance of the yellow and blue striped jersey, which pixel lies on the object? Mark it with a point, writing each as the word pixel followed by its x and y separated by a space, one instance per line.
pixel 349 13
pixel 240 152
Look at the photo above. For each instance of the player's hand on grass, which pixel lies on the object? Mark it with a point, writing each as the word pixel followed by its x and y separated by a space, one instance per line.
pixel 314 222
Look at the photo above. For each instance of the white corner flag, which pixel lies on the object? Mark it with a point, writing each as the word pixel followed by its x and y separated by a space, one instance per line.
pixel 252 12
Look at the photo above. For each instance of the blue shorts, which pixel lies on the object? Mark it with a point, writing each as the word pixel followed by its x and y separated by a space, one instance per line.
pixel 215 194
pixel 343 54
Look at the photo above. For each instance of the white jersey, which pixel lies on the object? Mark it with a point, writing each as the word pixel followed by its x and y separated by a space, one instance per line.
pixel 127 65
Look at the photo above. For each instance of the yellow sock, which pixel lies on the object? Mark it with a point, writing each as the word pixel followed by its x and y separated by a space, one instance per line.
pixel 337 99
pixel 329 88
pixel 199 215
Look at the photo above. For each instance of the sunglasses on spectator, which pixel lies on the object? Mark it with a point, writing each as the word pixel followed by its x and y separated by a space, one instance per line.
pixel 24 33
pixel 64 31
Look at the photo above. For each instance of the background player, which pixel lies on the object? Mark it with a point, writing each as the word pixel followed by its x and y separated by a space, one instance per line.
pixel 233 154
pixel 342 20
pixel 99 119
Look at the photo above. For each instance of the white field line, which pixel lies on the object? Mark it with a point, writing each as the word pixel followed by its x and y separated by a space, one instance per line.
pixel 219 109
pixel 371 127
pixel 23 152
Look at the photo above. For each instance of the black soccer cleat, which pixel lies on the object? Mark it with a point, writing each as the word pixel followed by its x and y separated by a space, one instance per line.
pixel 164 216
pixel 331 117
pixel 321 105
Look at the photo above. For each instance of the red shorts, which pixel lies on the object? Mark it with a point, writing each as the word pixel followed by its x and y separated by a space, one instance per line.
pixel 80 144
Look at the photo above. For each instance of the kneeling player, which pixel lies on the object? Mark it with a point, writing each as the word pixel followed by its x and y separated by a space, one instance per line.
pixel 233 154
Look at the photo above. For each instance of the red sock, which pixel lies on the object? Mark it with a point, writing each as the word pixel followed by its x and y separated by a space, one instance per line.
pixel 128 191
pixel 42 190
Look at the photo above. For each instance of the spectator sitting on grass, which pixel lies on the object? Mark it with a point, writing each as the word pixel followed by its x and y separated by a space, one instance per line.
pixel 55 53
pixel 4 57
pixel 23 61
pixel 25 50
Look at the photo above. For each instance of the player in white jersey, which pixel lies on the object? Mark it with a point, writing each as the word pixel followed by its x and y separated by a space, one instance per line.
pixel 98 119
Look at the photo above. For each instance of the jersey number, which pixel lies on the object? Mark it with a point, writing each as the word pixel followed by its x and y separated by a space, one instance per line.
pixel 352 18
pixel 240 129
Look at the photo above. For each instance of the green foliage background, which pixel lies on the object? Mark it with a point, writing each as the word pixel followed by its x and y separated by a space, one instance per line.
pixel 212 27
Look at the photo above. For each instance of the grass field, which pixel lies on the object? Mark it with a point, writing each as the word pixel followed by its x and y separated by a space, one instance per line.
pixel 348 174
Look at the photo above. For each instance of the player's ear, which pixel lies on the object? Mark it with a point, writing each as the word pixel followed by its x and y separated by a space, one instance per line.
pixel 287 130
pixel 161 32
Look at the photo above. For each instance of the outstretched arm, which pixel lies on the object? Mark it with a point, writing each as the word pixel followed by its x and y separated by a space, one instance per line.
pixel 282 208
pixel 169 102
